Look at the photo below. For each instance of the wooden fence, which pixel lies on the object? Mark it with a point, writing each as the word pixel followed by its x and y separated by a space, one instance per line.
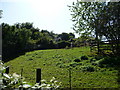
pixel 38 76
pixel 103 46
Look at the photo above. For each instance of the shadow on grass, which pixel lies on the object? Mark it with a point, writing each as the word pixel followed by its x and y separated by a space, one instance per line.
pixel 118 79
pixel 117 67
pixel 11 56
pixel 118 75
pixel 112 61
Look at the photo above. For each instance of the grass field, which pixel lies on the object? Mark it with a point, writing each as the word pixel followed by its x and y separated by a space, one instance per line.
pixel 56 62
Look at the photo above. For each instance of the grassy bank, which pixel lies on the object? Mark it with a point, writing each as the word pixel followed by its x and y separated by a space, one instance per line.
pixel 56 62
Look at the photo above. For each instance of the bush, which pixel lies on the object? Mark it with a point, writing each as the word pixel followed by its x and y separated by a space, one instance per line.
pixel 77 60
pixel 94 63
pixel 92 60
pixel 84 57
pixel 98 57
pixel 61 65
pixel 109 62
pixel 67 47
pixel 63 44
pixel 89 68
pixel 74 64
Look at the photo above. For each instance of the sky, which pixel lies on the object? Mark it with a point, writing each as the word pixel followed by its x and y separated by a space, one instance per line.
pixel 51 15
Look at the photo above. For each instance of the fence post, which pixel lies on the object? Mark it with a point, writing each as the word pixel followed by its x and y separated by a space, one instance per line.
pixel 70 79
pixel 7 70
pixel 71 44
pixel 38 76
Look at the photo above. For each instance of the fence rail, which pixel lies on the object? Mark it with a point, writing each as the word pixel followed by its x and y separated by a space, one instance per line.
pixel 103 46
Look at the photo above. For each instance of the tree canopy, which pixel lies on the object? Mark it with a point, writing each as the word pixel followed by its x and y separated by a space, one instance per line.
pixel 1 13
pixel 98 19
pixel 22 37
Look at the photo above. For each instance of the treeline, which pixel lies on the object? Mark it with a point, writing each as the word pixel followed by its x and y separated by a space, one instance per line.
pixel 22 37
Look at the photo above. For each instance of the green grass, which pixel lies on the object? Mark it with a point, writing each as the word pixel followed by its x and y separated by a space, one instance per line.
pixel 55 63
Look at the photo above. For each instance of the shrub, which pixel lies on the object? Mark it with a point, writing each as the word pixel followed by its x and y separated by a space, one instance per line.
pixel 92 60
pixel 88 68
pixel 98 57
pixel 62 65
pixel 77 60
pixel 53 84
pixel 30 59
pixel 74 64
pixel 63 44
pixel 94 63
pixel 67 47
pixel 84 57
pixel 108 62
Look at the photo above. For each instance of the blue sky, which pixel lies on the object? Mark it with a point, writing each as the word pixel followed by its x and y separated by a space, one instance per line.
pixel 52 15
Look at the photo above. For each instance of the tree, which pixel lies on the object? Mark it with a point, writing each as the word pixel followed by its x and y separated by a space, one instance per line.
pixel 8 41
pixel 1 13
pixel 0 35
pixel 99 18
pixel 27 25
pixel 15 40
pixel 63 44
pixel 82 40
pixel 84 15
pixel 109 21
pixel 66 36
pixel 71 35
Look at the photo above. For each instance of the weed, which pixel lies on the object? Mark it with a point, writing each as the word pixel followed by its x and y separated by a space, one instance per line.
pixel 84 57
pixel 30 59
pixel 77 60
pixel 92 60
pixel 98 57
pixel 89 68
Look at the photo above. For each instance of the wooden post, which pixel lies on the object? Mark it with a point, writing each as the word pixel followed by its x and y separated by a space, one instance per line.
pixel 7 70
pixel 71 44
pixel 70 79
pixel 38 76
pixel 21 77
pixel 21 72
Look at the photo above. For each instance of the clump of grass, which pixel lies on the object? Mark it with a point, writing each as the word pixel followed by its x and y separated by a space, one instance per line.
pixel 84 57
pixel 98 57
pixel 88 68
pixel 77 60
pixel 92 60
pixel 74 64
pixel 30 59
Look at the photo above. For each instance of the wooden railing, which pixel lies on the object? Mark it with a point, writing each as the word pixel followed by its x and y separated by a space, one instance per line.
pixel 104 45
